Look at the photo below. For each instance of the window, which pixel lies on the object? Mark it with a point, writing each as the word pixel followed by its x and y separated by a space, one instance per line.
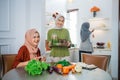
pixel 72 25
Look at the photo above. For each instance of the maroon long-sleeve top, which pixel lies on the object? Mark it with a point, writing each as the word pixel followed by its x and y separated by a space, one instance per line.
pixel 23 55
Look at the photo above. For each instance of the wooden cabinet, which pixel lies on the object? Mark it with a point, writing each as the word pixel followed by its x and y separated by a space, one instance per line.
pixel 1 66
pixel 74 54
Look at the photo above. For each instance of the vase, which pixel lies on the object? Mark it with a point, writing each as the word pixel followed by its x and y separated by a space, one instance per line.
pixel 94 14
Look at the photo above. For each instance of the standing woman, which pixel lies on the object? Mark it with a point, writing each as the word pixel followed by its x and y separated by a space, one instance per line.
pixel 86 45
pixel 29 50
pixel 59 52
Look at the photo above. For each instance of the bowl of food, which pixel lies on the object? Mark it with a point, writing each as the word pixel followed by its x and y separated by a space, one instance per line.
pixel 100 44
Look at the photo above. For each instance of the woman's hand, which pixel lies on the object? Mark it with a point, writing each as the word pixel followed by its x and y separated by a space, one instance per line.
pixel 22 64
pixel 93 30
pixel 37 58
pixel 43 58
pixel 68 44
pixel 50 44
pixel 93 35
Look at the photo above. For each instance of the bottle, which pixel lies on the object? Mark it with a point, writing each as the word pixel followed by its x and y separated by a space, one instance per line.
pixel 109 45
pixel 54 39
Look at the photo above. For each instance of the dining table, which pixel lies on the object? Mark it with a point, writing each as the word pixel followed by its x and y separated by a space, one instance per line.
pixel 21 74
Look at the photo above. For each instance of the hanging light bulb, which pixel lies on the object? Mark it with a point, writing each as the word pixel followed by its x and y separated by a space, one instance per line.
pixel 70 1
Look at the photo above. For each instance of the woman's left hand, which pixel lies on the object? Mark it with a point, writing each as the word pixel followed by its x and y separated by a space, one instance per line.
pixel 68 43
pixel 37 58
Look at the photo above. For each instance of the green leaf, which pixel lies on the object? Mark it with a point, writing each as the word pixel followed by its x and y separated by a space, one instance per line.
pixel 35 67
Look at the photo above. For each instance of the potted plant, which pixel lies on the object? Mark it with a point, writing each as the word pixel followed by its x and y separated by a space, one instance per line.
pixel 94 9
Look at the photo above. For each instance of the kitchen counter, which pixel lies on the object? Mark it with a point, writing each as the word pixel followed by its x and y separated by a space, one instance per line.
pixel 102 51
pixel 105 49
pixel 74 53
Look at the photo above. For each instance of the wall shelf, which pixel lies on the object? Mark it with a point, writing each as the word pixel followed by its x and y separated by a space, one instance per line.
pixel 99 23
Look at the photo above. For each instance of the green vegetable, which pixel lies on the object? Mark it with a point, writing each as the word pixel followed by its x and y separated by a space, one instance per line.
pixel 63 62
pixel 35 67
pixel 45 65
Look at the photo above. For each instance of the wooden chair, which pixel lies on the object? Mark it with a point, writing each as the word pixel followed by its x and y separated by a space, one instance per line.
pixel 8 60
pixel 101 61
pixel 1 67
pixel 46 46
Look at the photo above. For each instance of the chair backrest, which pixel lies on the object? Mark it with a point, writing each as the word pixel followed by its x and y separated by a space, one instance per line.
pixel 8 60
pixel 101 61
pixel 1 66
pixel 47 46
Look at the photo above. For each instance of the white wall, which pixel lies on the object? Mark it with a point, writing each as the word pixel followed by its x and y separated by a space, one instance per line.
pixel 37 19
pixel 114 58
pixel 56 6
pixel 85 14
pixel 25 14
pixel 16 25
pixel 52 6
pixel 109 10
pixel 22 15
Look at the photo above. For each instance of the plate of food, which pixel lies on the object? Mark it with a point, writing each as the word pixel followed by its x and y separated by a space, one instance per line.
pixel 90 67
pixel 59 42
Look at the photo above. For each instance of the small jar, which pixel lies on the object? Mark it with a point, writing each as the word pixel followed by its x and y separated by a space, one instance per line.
pixel 109 45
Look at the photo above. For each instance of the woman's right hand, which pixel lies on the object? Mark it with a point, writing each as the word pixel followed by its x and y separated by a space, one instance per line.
pixel 50 44
pixel 43 58
pixel 93 35
pixel 93 30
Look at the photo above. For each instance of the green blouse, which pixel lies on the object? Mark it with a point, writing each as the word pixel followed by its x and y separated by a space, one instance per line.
pixel 61 34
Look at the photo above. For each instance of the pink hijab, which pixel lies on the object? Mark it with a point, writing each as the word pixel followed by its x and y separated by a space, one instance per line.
pixel 28 41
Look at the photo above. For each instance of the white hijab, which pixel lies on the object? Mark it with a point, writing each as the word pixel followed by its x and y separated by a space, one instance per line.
pixel 57 16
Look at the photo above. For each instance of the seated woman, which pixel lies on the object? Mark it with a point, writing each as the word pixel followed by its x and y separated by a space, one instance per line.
pixel 29 50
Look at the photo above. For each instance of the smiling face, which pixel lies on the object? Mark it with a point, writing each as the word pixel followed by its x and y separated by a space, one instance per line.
pixel 35 39
pixel 60 22
pixel 32 38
